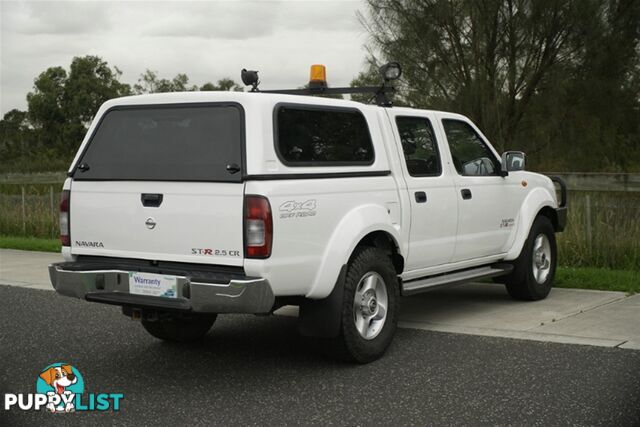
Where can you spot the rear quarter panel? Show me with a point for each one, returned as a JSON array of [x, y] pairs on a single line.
[[316, 225]]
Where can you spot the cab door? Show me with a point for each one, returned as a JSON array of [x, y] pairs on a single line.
[[430, 188], [488, 203]]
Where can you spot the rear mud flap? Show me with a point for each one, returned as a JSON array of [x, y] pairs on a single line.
[[323, 318]]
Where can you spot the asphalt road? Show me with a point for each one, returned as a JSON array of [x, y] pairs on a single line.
[[257, 370]]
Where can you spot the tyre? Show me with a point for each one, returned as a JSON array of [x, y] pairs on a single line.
[[535, 268], [180, 329], [370, 305]]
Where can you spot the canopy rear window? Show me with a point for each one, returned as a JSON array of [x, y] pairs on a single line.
[[166, 143]]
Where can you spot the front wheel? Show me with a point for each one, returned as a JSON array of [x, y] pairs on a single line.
[[369, 308], [535, 268], [180, 329]]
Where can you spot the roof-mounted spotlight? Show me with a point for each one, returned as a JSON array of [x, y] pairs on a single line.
[[391, 71], [250, 78]]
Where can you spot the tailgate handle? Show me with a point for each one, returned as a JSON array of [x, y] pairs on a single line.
[[151, 200]]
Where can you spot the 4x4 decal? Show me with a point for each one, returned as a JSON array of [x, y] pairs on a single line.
[[295, 209]]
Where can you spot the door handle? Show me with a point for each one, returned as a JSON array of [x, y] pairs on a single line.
[[421, 197], [151, 200], [466, 193]]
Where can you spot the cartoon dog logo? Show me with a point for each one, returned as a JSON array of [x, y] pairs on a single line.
[[59, 378]]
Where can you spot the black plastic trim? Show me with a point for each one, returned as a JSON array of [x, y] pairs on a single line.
[[322, 318], [563, 189], [151, 200], [561, 211], [561, 217], [321, 175], [155, 180], [139, 301]]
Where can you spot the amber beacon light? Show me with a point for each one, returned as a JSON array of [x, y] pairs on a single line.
[[318, 76]]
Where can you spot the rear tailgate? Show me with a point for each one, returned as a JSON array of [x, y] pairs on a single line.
[[154, 183], [196, 222]]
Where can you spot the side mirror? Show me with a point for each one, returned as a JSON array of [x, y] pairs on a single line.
[[512, 161]]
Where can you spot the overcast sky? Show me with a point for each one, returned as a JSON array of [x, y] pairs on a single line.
[[206, 40]]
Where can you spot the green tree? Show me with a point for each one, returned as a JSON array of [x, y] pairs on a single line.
[[549, 76], [45, 105], [62, 104], [483, 58], [149, 82], [586, 115], [91, 82], [15, 134], [225, 84], [369, 77]]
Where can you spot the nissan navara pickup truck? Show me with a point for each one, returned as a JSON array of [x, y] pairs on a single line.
[[182, 206]]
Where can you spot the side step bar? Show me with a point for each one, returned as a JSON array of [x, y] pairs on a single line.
[[457, 277]]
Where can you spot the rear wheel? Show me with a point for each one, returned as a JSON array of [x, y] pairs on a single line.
[[535, 269], [180, 329], [369, 308]]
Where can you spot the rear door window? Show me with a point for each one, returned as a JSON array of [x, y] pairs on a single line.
[[419, 146], [166, 143], [317, 136]]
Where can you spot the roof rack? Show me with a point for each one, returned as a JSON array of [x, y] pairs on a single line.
[[318, 84]]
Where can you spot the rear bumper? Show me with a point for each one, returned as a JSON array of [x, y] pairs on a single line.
[[111, 286]]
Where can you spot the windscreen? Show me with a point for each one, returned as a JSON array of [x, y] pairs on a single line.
[[168, 143]]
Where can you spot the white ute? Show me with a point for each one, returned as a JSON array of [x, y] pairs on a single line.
[[182, 206]]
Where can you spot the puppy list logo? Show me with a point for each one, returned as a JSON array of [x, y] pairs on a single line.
[[60, 383], [60, 389]]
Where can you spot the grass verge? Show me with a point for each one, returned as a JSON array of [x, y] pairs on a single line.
[[601, 279], [30, 244]]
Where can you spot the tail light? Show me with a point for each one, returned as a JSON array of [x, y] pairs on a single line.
[[65, 237], [258, 227]]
